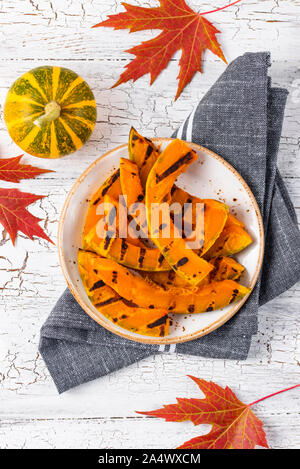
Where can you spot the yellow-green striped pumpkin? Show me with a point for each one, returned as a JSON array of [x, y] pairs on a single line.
[[50, 112]]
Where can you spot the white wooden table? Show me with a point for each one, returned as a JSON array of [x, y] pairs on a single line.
[[101, 414]]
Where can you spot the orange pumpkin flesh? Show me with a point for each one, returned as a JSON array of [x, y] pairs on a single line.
[[133, 300], [232, 220], [149, 295], [112, 187], [173, 161], [115, 205], [151, 322], [130, 182], [233, 239], [126, 253], [143, 152], [215, 216], [225, 268], [134, 192]]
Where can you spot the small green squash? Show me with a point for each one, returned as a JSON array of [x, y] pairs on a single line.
[[50, 112]]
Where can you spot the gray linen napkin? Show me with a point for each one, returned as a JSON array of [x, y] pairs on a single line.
[[240, 118]]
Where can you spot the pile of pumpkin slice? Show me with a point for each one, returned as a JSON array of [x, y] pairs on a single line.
[[136, 283]]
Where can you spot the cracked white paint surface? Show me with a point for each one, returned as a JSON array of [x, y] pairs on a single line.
[[101, 414]]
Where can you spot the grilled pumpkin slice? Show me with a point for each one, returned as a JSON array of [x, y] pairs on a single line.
[[133, 190], [151, 322], [210, 297], [124, 252], [117, 221], [215, 216], [233, 239], [112, 187], [225, 268], [143, 152], [173, 161], [149, 295], [216, 213], [232, 220], [130, 181]]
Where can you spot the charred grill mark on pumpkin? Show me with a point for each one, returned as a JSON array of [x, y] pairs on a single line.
[[144, 225], [122, 200], [234, 295], [134, 137], [177, 221], [171, 275], [96, 285], [173, 189], [111, 181], [96, 201], [107, 302], [129, 303], [182, 262], [140, 197], [191, 308], [142, 256], [210, 308], [148, 153], [114, 276], [86, 250], [213, 273], [158, 322], [112, 216], [124, 248], [160, 260], [175, 166], [107, 239]]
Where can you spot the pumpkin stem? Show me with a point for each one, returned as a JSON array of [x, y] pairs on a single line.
[[52, 111]]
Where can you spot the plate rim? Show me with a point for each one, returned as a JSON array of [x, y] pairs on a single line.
[[165, 340]]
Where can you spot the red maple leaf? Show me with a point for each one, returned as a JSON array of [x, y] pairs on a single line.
[[182, 29], [15, 217], [12, 170], [234, 425]]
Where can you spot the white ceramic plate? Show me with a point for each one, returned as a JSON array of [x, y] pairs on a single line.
[[209, 177]]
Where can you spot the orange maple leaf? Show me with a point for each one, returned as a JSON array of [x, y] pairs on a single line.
[[182, 29], [234, 425], [15, 217]]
